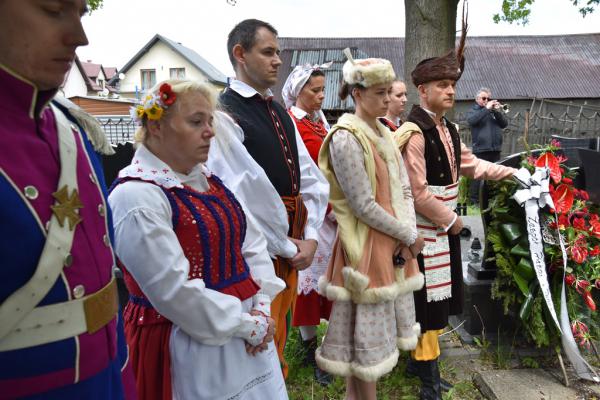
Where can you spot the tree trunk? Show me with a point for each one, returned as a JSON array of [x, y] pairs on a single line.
[[430, 32]]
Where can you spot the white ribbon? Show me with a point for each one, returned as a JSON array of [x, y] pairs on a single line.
[[535, 195]]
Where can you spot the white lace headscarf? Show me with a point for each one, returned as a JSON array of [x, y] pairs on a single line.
[[295, 82]]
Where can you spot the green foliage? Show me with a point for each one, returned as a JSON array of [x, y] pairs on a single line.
[[394, 386], [95, 4], [529, 362], [518, 11]]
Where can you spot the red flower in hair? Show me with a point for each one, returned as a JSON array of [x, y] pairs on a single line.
[[167, 96]]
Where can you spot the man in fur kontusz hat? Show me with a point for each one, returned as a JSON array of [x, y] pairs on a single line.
[[435, 157]]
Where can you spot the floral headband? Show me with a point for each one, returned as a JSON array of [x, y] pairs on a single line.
[[154, 105]]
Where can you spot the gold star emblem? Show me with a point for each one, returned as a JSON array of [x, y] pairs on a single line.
[[66, 207]]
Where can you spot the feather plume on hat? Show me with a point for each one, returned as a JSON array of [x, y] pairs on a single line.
[[449, 66]]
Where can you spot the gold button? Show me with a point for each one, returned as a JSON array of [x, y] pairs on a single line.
[[442, 175], [31, 192], [439, 158], [78, 291], [68, 260], [106, 240], [101, 210]]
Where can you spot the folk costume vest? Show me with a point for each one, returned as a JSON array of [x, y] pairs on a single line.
[[269, 137], [372, 279]]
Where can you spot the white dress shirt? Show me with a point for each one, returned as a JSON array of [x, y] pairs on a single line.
[[246, 179]]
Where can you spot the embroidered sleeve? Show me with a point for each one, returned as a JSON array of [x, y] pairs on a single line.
[[348, 164]]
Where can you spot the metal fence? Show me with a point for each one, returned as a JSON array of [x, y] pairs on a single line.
[[118, 129], [540, 128]]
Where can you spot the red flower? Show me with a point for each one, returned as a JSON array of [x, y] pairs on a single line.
[[595, 227], [587, 296], [579, 254], [595, 251], [555, 143], [562, 198], [570, 279], [167, 96], [550, 161], [581, 333], [563, 221], [593, 217], [584, 195], [579, 223], [566, 180]]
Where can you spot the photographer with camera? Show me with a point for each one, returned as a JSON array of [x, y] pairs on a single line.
[[486, 120]]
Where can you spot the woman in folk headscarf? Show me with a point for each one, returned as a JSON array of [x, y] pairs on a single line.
[[373, 312], [303, 94]]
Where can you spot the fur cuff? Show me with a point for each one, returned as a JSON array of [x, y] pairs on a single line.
[[407, 343], [412, 284], [374, 372], [339, 368], [332, 292], [354, 281]]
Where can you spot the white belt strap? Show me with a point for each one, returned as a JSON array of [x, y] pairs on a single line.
[[58, 242]]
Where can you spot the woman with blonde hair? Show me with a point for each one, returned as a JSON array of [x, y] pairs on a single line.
[[373, 313], [200, 279]]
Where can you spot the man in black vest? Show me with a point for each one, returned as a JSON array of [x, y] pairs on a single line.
[[271, 139], [435, 157]]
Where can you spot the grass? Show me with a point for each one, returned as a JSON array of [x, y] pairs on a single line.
[[394, 386]]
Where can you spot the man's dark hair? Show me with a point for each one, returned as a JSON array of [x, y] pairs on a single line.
[[244, 34]]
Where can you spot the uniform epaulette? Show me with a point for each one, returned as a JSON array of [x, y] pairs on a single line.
[[88, 124]]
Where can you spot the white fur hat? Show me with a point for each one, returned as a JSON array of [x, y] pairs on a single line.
[[367, 72]]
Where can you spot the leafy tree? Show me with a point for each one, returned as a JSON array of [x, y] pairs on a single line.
[[94, 4], [519, 10]]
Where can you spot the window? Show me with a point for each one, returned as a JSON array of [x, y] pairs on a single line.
[[101, 83], [177, 73], [148, 78]]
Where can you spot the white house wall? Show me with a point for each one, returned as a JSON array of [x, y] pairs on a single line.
[[74, 85], [160, 58]]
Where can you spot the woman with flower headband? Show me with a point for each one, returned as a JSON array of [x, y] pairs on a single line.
[[373, 313], [199, 276], [303, 93]]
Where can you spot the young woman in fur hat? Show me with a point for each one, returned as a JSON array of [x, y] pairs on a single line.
[[373, 312]]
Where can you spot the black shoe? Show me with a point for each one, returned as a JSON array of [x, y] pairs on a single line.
[[430, 380], [445, 385], [322, 377]]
